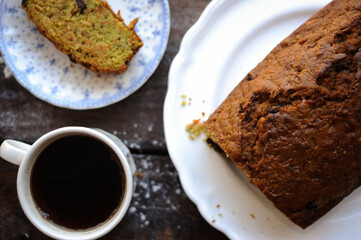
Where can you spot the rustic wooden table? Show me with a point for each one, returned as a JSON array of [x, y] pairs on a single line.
[[159, 209]]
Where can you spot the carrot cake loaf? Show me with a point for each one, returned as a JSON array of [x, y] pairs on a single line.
[[293, 124]]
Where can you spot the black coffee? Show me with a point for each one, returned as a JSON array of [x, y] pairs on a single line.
[[77, 182]]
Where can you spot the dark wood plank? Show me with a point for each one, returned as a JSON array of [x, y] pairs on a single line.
[[137, 119]]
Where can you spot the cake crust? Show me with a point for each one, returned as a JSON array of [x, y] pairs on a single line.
[[293, 124]]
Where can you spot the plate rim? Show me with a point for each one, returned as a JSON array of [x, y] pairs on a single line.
[[92, 103], [196, 27]]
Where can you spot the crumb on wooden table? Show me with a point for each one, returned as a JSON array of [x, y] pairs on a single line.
[[139, 174]]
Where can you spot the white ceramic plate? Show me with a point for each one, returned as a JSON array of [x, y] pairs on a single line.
[[48, 74], [228, 40]]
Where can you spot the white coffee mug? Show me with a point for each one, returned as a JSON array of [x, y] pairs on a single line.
[[25, 156]]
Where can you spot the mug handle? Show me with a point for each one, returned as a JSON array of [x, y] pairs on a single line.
[[14, 151]]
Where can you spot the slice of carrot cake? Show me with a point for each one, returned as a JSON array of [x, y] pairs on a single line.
[[88, 31]]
